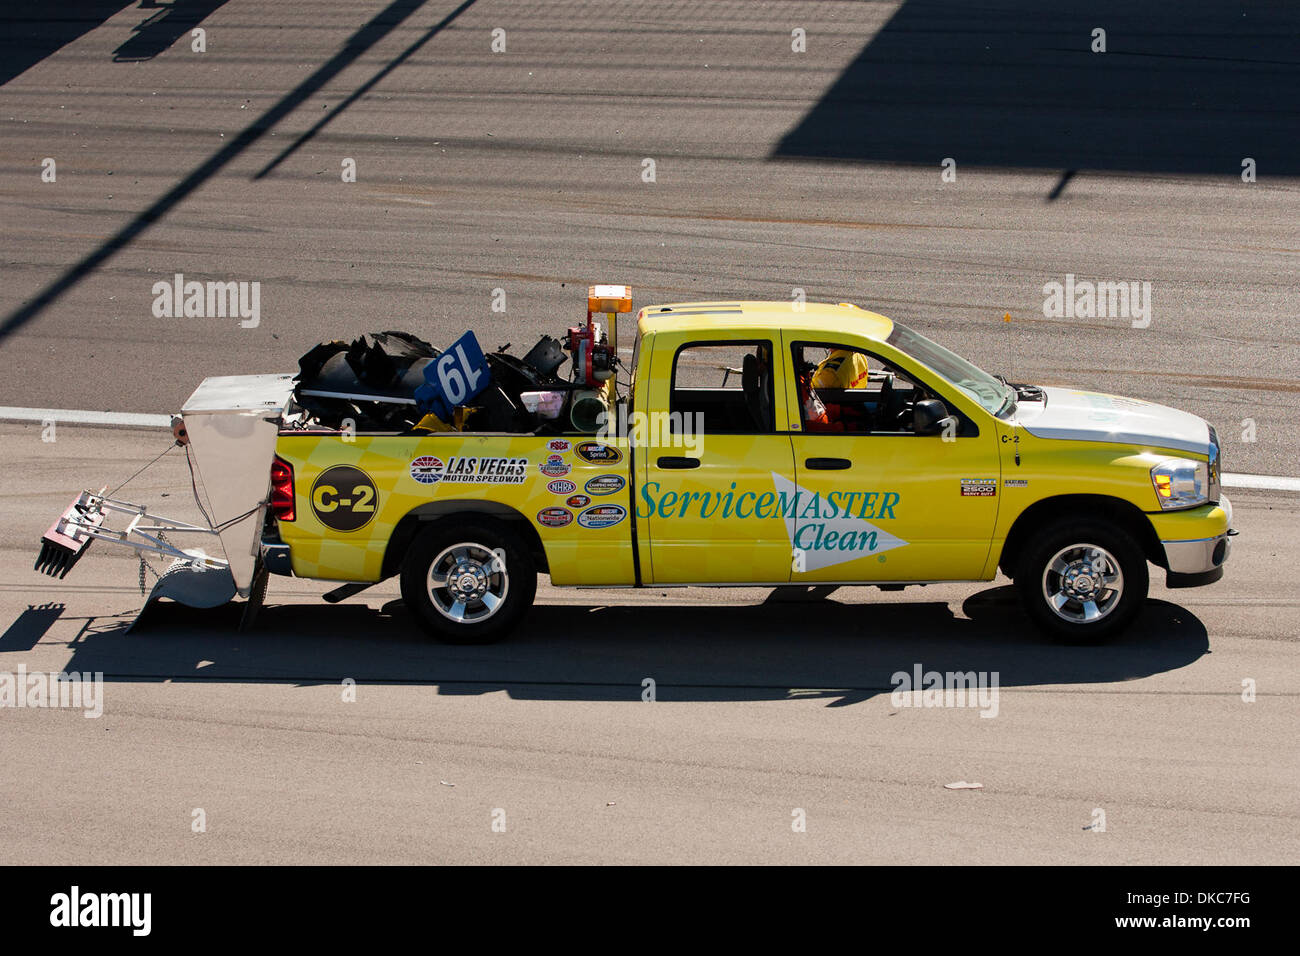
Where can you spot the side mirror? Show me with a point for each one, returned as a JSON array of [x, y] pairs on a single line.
[[930, 417]]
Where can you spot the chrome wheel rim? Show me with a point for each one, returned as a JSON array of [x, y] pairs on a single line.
[[1083, 583], [468, 582]]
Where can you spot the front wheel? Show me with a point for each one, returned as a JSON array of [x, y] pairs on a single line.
[[1082, 582], [468, 582]]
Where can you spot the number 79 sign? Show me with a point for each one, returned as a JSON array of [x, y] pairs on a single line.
[[453, 378]]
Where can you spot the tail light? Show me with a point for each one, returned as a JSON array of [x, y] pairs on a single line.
[[282, 489]]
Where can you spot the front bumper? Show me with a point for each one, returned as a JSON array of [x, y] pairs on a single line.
[[1192, 562]]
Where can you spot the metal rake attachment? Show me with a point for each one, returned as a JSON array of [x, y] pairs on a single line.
[[69, 537], [66, 541]]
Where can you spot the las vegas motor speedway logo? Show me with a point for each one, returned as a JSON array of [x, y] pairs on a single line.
[[428, 470]]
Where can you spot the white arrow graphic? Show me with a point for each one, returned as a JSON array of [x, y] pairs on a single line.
[[843, 525]]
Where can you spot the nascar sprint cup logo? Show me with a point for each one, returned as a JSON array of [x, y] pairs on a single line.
[[428, 470]]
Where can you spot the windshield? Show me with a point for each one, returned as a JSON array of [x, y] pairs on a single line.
[[994, 396]]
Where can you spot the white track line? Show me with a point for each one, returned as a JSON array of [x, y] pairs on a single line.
[[1268, 482], [72, 416]]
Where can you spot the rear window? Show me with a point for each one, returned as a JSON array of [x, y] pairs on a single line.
[[728, 384]]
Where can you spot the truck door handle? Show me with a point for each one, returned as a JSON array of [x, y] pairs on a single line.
[[669, 461], [828, 464]]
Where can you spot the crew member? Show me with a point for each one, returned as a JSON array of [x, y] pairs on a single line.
[[841, 369]]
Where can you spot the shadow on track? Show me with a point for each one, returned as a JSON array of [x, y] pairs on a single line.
[[382, 24], [164, 27], [1193, 86], [844, 653], [29, 627], [30, 32]]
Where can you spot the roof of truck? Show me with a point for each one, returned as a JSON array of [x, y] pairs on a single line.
[[794, 316]]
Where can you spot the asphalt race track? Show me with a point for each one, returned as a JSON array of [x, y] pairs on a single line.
[[525, 171]]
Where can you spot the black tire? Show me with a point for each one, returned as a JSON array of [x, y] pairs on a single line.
[[1090, 551], [470, 545]]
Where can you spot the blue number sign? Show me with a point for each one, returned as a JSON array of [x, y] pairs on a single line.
[[453, 378]]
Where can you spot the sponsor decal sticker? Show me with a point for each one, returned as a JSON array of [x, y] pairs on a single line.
[[1017, 482], [979, 487], [604, 485], [578, 501], [602, 516], [562, 486], [824, 528], [459, 469], [555, 467], [559, 445], [598, 454], [344, 498], [554, 517], [426, 469]]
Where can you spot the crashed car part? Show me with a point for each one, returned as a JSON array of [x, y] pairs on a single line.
[[370, 381], [370, 384], [546, 356]]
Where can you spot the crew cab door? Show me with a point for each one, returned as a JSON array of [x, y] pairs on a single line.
[[876, 501], [712, 455]]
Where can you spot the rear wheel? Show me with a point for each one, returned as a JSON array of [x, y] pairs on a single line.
[[468, 582], [1082, 582]]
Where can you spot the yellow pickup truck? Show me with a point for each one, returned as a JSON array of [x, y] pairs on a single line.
[[763, 444]]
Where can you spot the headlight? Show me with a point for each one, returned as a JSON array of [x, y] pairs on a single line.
[[1216, 466], [1181, 483]]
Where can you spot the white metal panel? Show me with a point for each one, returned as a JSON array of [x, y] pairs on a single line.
[[237, 393], [232, 423]]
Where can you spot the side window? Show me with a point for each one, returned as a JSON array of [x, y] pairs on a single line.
[[847, 390], [727, 385]]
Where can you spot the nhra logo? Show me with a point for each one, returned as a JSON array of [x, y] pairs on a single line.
[[426, 469], [561, 486]]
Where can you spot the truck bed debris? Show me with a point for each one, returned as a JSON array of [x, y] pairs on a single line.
[[373, 383]]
